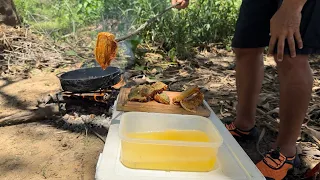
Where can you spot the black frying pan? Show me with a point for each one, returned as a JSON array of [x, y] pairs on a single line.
[[90, 79]]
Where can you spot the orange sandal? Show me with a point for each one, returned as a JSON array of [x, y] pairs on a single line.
[[241, 135], [275, 166]]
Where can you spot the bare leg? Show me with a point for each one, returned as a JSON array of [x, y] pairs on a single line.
[[295, 93], [249, 76]]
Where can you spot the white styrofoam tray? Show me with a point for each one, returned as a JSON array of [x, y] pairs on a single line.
[[233, 161]]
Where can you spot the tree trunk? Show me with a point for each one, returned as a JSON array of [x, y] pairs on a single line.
[[8, 13]]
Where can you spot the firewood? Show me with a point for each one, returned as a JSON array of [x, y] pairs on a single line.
[[39, 114]]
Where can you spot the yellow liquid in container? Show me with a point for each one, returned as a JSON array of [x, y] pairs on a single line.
[[169, 157]]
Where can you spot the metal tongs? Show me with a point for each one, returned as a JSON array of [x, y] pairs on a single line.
[[143, 26]]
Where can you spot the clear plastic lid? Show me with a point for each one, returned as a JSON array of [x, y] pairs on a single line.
[[136, 122]]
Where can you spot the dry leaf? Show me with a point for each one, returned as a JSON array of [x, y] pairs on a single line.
[[312, 131], [263, 97], [266, 106], [140, 79], [120, 84], [308, 149]]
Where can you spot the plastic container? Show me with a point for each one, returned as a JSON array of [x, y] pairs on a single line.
[[169, 142]]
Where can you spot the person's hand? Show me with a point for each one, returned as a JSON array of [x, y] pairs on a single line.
[[285, 24], [184, 3]]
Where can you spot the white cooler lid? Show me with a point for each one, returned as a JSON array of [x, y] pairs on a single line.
[[234, 163]]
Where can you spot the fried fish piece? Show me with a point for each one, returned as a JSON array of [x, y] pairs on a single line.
[[150, 90], [141, 93], [159, 87], [135, 95], [106, 49], [144, 93], [147, 91], [162, 98], [186, 93], [192, 103]]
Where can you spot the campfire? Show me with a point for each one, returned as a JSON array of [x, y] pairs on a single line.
[[87, 96], [79, 110], [88, 108]]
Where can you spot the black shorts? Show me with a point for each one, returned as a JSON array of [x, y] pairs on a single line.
[[253, 25]]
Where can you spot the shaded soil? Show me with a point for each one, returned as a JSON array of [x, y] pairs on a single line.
[[42, 150]]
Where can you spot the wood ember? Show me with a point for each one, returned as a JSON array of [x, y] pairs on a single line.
[[81, 121], [82, 112]]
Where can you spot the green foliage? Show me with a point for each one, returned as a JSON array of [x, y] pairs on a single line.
[[134, 42], [172, 54], [89, 10], [204, 21], [59, 17]]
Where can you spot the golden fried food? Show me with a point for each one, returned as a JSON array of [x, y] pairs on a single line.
[[188, 92], [141, 93], [144, 93], [106, 49], [159, 87], [135, 95], [162, 98], [147, 91], [192, 102]]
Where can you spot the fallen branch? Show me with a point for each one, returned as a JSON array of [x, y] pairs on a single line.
[[313, 133], [273, 121], [39, 114], [259, 140], [97, 134], [269, 126]]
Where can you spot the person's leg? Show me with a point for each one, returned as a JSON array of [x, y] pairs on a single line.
[[296, 80], [295, 93], [249, 76], [250, 39]]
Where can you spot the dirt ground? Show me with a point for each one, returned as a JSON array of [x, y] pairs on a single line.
[[41, 150]]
